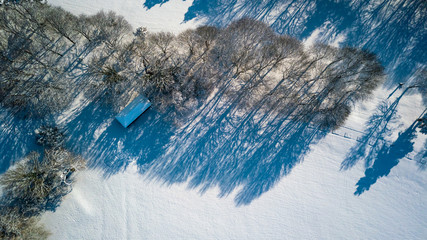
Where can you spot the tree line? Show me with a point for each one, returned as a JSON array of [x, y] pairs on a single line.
[[242, 91]]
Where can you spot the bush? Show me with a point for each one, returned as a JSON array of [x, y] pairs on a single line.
[[13, 226], [50, 137], [39, 183]]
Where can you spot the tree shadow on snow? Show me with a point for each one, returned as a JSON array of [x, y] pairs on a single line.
[[379, 153], [17, 138], [233, 153], [107, 145], [394, 30], [387, 158], [378, 128], [248, 153]]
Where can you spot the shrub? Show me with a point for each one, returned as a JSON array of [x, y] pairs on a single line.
[[13, 226]]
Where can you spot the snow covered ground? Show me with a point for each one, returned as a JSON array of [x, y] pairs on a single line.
[[315, 201], [168, 17]]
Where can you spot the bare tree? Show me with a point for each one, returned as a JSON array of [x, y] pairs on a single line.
[[36, 182], [14, 226], [102, 27], [62, 22]]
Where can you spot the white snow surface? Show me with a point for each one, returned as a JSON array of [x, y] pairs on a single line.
[[167, 17], [326, 34], [315, 201]]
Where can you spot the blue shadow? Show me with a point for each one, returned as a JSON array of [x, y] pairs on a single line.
[[394, 30], [100, 138], [388, 157], [17, 138]]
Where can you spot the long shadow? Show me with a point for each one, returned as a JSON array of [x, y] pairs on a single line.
[[107, 145], [374, 137], [387, 158], [231, 152], [17, 137], [394, 30], [249, 153], [380, 154]]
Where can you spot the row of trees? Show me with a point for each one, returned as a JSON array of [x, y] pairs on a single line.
[[273, 98], [253, 95], [48, 55], [43, 54]]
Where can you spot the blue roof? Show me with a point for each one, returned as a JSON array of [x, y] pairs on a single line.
[[133, 110]]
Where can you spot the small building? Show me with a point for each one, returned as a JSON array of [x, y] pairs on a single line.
[[133, 110]]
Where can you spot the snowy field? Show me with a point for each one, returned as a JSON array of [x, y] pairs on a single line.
[[168, 17], [315, 201]]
